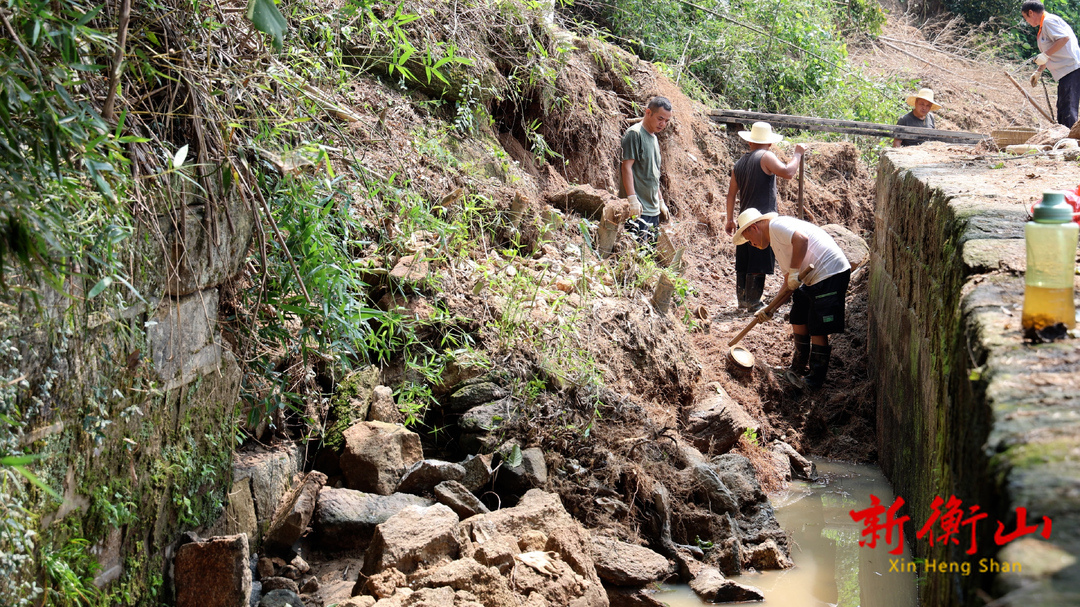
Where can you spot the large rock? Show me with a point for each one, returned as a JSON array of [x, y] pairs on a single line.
[[383, 408], [472, 395], [346, 519], [800, 466], [544, 512], [766, 555], [295, 515], [377, 454], [213, 573], [422, 477], [459, 499], [716, 423], [624, 564], [352, 400], [270, 472], [485, 418], [529, 473], [738, 475], [281, 598], [583, 199], [477, 471], [719, 498], [414, 537], [712, 587], [468, 575], [854, 247]]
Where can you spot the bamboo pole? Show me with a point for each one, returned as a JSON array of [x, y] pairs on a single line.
[[1028, 97]]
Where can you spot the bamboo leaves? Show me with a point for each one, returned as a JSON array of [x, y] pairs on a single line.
[[266, 18]]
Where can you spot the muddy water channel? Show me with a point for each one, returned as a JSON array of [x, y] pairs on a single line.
[[830, 567]]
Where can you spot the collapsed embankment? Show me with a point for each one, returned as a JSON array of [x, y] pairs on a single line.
[[966, 408]]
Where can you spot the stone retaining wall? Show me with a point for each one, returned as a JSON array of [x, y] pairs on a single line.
[[965, 408]]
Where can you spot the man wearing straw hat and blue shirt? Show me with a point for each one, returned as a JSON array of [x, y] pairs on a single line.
[[1058, 52], [818, 299], [753, 178], [922, 103]]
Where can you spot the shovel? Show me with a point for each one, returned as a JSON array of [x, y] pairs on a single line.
[[769, 309]]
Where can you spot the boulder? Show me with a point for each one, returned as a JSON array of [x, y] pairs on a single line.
[[498, 552], [239, 516], [485, 418], [350, 403], [292, 519], [410, 268], [383, 408], [472, 395], [582, 199], [766, 555], [383, 584], [358, 601], [213, 573], [624, 564], [270, 471], [459, 499], [281, 598], [738, 476], [468, 575], [271, 584], [716, 423], [800, 466], [719, 498], [377, 454], [346, 519], [530, 473], [416, 536], [422, 477], [711, 586], [544, 512], [854, 247], [477, 471]]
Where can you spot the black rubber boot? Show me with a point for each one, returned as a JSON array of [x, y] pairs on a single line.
[[740, 289], [801, 354], [819, 365], [755, 287]]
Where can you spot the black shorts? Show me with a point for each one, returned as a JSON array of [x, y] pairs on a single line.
[[821, 306]]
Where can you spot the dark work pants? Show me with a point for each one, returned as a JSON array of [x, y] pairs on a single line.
[[1068, 97]]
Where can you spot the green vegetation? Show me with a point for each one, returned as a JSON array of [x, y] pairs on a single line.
[[783, 57]]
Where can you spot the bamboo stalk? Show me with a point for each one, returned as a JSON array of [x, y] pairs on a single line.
[[1028, 97]]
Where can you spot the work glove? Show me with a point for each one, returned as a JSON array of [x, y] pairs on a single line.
[[763, 316], [1041, 59], [664, 213], [635, 204], [792, 279], [1035, 77]]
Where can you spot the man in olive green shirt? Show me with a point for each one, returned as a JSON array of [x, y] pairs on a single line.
[[640, 169]]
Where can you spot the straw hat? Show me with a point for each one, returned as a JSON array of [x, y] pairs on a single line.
[[926, 94], [748, 218], [760, 132]]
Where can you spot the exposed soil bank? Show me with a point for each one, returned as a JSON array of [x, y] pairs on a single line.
[[966, 408]]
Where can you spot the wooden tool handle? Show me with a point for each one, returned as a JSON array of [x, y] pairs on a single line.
[[769, 309]]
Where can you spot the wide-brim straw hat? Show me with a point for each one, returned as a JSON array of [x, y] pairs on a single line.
[[746, 219], [761, 132], [925, 94]]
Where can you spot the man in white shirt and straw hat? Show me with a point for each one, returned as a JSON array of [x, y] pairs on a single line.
[[818, 298], [753, 178], [922, 103]]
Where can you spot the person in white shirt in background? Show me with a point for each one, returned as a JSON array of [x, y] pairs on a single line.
[[1058, 52]]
